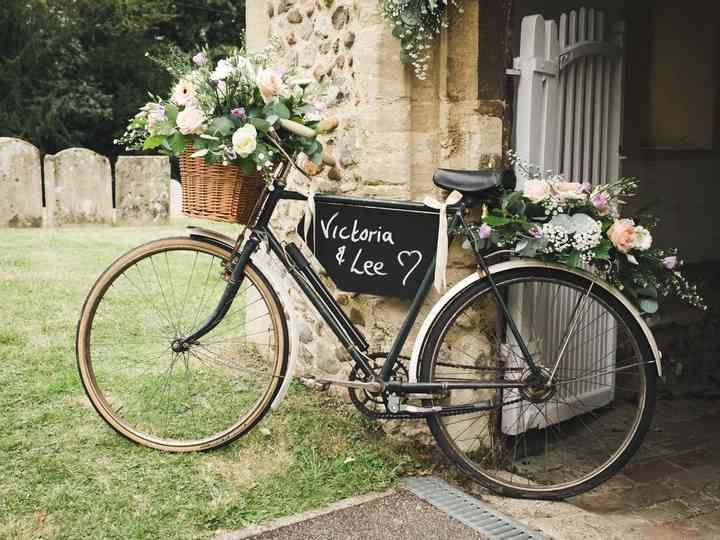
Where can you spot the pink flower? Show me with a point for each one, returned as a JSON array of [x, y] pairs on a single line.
[[670, 262], [536, 190], [200, 59], [536, 232], [601, 202], [238, 113], [190, 121], [269, 82], [622, 234], [484, 231]]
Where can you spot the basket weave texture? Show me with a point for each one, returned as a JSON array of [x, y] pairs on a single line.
[[217, 192]]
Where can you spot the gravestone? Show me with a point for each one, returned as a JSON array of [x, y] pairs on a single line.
[[78, 187], [142, 187], [20, 184]]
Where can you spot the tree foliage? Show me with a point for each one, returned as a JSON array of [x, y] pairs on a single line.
[[73, 71]]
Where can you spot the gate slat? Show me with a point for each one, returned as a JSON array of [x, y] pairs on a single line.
[[569, 101], [562, 91], [589, 103], [597, 177], [579, 102]]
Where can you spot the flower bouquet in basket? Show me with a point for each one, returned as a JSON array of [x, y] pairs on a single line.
[[580, 225], [231, 122]]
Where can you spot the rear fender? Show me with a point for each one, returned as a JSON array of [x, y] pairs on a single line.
[[514, 264]]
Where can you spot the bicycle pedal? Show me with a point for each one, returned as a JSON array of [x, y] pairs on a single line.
[[314, 384]]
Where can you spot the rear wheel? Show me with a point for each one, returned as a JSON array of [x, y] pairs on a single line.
[[569, 428], [180, 399]]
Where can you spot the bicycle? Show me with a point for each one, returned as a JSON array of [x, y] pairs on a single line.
[[505, 393]]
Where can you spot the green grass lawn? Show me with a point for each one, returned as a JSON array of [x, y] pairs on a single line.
[[65, 474]]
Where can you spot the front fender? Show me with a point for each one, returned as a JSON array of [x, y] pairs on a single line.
[[224, 241], [450, 295]]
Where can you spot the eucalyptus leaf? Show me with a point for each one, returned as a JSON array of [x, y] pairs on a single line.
[[223, 126], [260, 124]]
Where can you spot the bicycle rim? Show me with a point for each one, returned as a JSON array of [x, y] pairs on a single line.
[[193, 400], [542, 441]]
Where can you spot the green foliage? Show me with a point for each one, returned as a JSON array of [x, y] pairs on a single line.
[[73, 71]]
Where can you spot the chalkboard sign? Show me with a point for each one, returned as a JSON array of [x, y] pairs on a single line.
[[374, 246]]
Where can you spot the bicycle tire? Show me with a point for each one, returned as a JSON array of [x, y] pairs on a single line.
[[197, 400], [510, 442]]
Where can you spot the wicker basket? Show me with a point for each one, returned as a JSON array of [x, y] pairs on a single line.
[[217, 192]]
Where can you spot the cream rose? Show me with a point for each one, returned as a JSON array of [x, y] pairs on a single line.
[[190, 121], [643, 238], [566, 191], [245, 140], [622, 234], [269, 83], [536, 190]]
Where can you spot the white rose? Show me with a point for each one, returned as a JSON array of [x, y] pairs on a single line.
[[643, 238], [245, 140], [536, 190], [223, 70], [269, 83], [190, 121]]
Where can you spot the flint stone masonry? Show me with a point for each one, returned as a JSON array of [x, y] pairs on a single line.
[[21, 202], [394, 131], [78, 187], [142, 186]]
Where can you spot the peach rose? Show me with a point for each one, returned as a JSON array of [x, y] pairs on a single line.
[[567, 191], [269, 83], [536, 190], [622, 234]]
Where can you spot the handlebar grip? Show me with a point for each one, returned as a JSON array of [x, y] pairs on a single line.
[[297, 129]]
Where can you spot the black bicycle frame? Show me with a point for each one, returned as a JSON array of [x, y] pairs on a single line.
[[331, 312]]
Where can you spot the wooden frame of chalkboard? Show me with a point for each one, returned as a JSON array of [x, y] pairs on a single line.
[[374, 246]]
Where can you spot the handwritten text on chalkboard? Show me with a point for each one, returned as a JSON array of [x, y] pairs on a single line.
[[376, 247]]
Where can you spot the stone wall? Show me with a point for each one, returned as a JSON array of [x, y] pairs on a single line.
[[394, 132]]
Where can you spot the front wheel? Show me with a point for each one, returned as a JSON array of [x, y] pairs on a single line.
[[566, 430], [139, 380]]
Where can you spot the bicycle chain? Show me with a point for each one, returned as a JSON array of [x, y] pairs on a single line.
[[377, 415]]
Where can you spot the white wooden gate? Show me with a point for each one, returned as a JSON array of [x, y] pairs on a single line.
[[568, 115]]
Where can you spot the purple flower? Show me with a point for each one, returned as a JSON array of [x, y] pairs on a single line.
[[670, 262], [238, 113], [231, 153], [200, 59], [600, 201], [536, 231], [484, 231], [587, 187]]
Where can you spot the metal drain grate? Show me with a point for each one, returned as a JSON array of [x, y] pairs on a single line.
[[468, 510]]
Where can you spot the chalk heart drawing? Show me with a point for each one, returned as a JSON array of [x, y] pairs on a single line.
[[408, 257]]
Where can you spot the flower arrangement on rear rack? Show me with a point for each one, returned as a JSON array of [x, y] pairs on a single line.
[[227, 112], [579, 224]]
